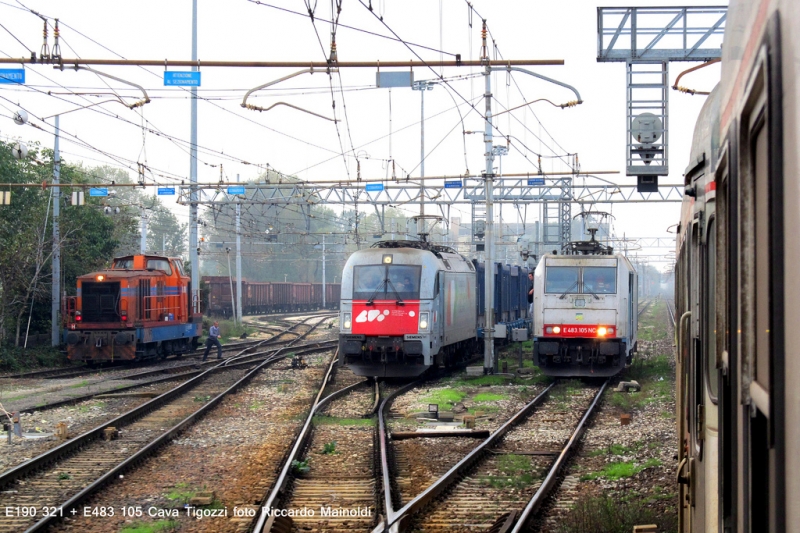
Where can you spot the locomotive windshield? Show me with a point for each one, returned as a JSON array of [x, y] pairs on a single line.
[[577, 280], [386, 282], [562, 279], [600, 280], [125, 263]]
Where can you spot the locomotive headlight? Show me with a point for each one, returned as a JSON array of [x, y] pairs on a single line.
[[556, 330], [610, 331], [601, 331], [423, 321], [100, 277], [347, 321], [548, 330]]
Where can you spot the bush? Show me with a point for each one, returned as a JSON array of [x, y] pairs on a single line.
[[606, 514], [18, 359]]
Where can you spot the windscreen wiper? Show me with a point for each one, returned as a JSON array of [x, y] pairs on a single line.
[[596, 297], [382, 285], [566, 291], [399, 300]]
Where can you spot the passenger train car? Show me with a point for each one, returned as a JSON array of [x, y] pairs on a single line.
[[584, 314], [139, 308], [408, 305], [738, 373]]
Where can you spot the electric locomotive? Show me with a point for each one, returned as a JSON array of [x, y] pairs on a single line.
[[585, 312], [141, 307], [406, 306]]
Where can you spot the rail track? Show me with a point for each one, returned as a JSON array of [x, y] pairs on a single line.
[[61, 478], [341, 469], [473, 495], [184, 371], [291, 328]]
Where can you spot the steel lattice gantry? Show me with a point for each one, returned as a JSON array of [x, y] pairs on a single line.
[[647, 39], [401, 193]]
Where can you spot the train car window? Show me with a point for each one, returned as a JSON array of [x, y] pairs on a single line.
[[383, 281], [762, 244], [562, 279], [179, 266], [599, 280], [712, 376], [159, 264], [123, 264]]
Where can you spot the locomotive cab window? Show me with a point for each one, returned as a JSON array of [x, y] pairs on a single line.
[[159, 264], [599, 280], [562, 279], [124, 264], [386, 282]]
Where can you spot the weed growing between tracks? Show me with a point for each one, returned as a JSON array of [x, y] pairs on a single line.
[[515, 471], [625, 474], [606, 514], [162, 526]]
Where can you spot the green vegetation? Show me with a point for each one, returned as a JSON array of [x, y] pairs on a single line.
[[651, 323], [19, 359], [87, 408], [515, 471], [228, 329], [489, 397], [162, 526], [445, 398], [618, 449], [480, 381], [181, 493], [64, 475], [655, 375], [79, 385], [202, 398], [329, 448], [623, 469], [256, 405], [607, 514], [300, 467], [343, 421]]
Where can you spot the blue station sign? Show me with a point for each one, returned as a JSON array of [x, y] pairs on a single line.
[[236, 189], [12, 75], [98, 191], [374, 187], [535, 181], [182, 78], [166, 191], [455, 184]]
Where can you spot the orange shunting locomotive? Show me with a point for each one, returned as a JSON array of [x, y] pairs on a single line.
[[139, 308]]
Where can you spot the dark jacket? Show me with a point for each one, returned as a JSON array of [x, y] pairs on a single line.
[[530, 295]]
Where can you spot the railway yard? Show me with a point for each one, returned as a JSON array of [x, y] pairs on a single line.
[[205, 446]]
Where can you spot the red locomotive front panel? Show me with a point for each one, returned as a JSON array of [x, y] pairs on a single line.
[[385, 318]]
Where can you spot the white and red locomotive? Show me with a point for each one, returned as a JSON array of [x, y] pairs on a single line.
[[584, 314]]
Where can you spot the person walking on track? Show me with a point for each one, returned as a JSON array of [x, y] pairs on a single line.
[[212, 340]]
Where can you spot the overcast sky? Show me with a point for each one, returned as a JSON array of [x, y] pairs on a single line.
[[311, 148]]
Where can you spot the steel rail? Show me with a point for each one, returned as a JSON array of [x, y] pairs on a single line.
[[549, 482], [265, 519], [394, 520], [150, 447], [311, 347]]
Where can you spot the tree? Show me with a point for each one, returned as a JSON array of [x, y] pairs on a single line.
[[165, 233]]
